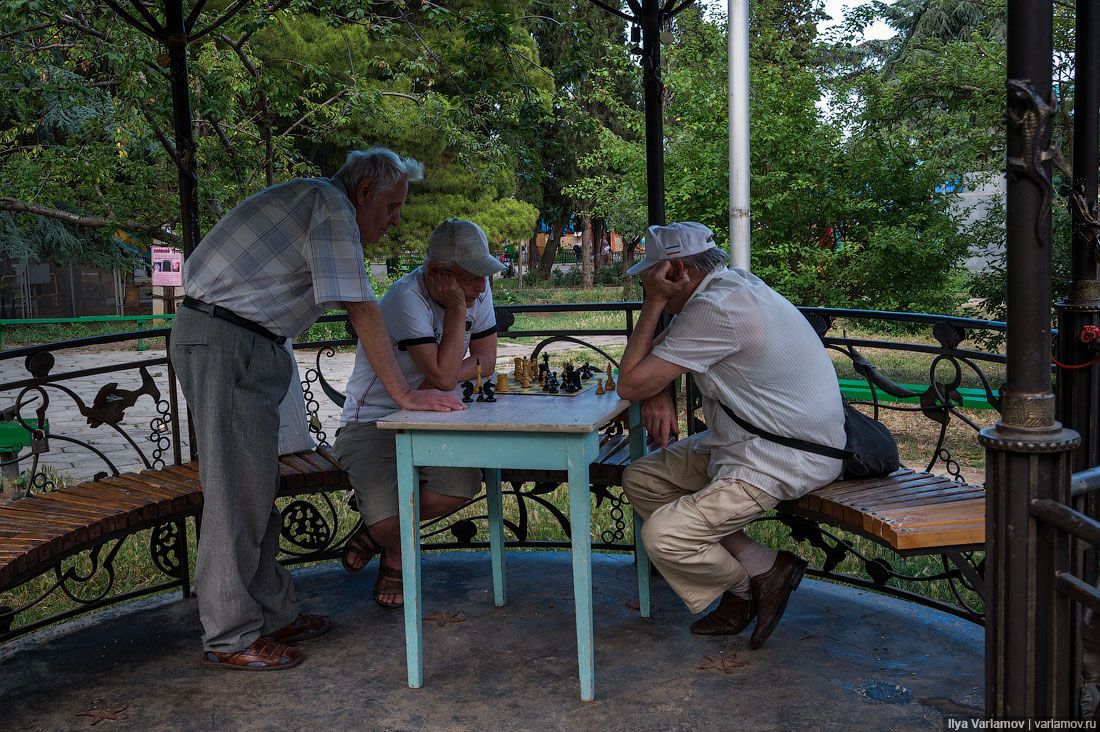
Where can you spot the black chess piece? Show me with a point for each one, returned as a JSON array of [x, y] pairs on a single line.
[[553, 386], [489, 389], [586, 370], [467, 391]]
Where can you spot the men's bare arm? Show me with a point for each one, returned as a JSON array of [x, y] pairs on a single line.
[[366, 320], [641, 374], [441, 363], [483, 350]]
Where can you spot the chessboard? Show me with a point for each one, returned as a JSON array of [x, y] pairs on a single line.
[[535, 389], [567, 379]]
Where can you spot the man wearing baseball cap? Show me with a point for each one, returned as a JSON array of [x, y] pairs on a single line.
[[749, 349], [440, 322]]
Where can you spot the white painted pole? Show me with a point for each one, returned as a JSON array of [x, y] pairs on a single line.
[[740, 223]]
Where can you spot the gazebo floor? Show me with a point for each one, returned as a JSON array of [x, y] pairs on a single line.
[[841, 659]]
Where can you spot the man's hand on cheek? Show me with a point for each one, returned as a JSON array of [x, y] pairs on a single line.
[[444, 289], [661, 283]]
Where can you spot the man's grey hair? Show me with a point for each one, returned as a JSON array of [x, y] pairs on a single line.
[[382, 166], [707, 261]]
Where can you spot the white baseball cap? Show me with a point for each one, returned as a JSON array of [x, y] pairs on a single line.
[[463, 243], [677, 240]]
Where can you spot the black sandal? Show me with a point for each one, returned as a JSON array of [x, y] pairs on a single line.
[[361, 546]]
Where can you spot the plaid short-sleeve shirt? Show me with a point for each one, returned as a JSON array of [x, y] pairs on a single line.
[[283, 256]]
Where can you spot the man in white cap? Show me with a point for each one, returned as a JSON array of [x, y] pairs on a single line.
[[749, 349], [441, 325]]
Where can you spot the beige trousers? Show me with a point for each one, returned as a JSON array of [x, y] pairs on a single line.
[[686, 515]]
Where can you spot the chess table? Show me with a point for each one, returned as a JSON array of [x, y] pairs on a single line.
[[562, 434]]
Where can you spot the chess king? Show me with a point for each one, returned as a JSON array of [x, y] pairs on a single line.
[[441, 325]]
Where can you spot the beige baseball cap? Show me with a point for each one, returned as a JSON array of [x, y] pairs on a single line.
[[463, 243]]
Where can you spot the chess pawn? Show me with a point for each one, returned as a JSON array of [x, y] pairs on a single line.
[[525, 380], [599, 387], [502, 384]]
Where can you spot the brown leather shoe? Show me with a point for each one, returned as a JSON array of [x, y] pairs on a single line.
[[303, 628], [732, 615], [262, 655], [771, 591]]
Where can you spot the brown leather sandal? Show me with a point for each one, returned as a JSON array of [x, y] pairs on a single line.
[[361, 547], [304, 627], [263, 655], [388, 582]]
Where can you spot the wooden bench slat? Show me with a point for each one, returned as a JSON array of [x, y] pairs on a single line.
[[163, 479], [136, 507], [191, 493], [310, 475], [920, 496], [896, 491], [824, 499], [944, 495], [166, 505], [111, 518], [329, 472]]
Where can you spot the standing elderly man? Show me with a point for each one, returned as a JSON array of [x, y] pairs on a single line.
[[441, 326], [747, 348], [263, 274]]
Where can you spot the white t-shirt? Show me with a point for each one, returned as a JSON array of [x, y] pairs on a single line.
[[412, 317], [752, 349]]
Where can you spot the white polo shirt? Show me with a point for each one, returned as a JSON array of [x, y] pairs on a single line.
[[412, 317], [749, 347]]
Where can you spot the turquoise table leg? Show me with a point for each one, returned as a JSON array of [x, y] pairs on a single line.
[[580, 520], [637, 450], [496, 533], [408, 500], [644, 572]]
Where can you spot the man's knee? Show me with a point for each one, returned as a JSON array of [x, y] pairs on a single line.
[[661, 540]]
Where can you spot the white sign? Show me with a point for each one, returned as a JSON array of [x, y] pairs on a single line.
[[167, 267]]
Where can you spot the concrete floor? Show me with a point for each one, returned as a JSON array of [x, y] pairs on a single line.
[[841, 659]]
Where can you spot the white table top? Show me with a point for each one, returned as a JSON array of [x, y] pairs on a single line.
[[586, 412]]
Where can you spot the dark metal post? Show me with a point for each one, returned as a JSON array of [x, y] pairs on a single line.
[[1078, 390], [176, 41], [653, 94], [1027, 451]]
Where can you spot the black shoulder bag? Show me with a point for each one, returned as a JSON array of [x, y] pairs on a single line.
[[870, 451]]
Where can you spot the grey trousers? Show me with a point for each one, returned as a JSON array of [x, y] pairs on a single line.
[[233, 380]]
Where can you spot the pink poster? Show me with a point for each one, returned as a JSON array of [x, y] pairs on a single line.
[[167, 267]]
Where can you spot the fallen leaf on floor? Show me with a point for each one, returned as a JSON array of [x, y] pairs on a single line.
[[632, 605], [103, 714], [725, 665], [443, 618]]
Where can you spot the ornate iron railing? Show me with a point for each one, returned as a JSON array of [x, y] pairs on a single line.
[[81, 423]]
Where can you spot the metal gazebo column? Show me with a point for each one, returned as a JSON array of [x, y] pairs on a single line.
[[1078, 389], [650, 15], [1028, 453], [653, 94], [176, 39]]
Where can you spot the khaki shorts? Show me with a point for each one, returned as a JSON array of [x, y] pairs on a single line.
[[369, 456]]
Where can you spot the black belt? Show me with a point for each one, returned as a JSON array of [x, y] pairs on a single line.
[[221, 313]]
